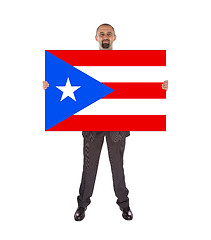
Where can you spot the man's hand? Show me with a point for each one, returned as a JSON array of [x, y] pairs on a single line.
[[45, 84], [165, 85]]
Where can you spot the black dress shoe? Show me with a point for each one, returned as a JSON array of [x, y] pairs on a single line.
[[127, 213], [80, 214]]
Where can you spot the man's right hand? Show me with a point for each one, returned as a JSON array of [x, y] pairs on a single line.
[[45, 84]]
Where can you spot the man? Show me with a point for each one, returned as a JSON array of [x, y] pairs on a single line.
[[93, 142]]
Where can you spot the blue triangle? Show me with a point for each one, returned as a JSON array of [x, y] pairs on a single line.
[[56, 73]]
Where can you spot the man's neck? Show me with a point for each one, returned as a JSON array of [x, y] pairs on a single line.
[[106, 49]]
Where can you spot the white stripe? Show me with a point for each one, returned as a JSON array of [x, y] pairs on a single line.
[[126, 74], [126, 107]]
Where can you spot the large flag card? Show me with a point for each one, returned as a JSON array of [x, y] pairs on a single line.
[[77, 101]]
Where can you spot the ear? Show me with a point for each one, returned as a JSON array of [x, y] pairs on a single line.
[[96, 38], [114, 37]]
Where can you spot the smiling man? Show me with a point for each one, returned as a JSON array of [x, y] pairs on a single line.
[[105, 35], [93, 142]]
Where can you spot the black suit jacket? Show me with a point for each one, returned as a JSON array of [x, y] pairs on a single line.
[[115, 135]]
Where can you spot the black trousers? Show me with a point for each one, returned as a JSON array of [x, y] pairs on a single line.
[[92, 150]]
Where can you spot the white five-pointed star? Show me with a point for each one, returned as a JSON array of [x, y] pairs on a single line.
[[68, 90]]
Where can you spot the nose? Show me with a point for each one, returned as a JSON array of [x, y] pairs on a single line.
[[106, 36]]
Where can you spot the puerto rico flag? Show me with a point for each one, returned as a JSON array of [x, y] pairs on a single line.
[[94, 90]]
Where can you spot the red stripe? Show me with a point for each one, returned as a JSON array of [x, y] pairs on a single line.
[[112, 123], [112, 58], [136, 90]]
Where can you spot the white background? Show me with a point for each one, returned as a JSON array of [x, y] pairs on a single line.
[[167, 173]]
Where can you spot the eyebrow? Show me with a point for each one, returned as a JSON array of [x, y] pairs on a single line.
[[103, 32]]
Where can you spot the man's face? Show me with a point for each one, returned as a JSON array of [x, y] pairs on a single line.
[[105, 36]]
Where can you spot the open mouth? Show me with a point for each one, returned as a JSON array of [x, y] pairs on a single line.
[[105, 43]]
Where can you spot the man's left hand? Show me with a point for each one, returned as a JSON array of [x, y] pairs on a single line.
[[165, 85]]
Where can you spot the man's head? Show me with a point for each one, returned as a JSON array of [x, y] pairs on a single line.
[[105, 35]]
